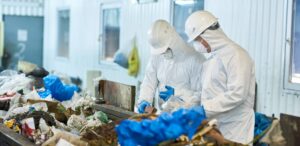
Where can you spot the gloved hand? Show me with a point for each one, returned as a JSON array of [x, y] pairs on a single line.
[[165, 95], [142, 106]]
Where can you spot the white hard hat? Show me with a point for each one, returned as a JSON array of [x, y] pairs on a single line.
[[160, 36], [198, 22]]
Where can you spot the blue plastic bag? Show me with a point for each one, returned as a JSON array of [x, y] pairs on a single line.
[[165, 127], [262, 122], [59, 91], [44, 94], [121, 59]]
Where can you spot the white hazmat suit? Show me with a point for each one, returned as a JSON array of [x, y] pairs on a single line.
[[229, 87], [228, 79], [181, 71]]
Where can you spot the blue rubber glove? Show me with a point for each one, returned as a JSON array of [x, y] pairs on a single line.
[[142, 106], [165, 95]]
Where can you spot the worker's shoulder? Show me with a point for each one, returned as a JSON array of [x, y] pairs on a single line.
[[235, 51], [240, 55], [196, 57], [235, 54]]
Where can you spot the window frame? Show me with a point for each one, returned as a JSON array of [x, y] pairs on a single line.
[[172, 3], [101, 51], [57, 33], [289, 46]]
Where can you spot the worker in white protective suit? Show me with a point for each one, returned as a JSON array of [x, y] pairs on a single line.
[[228, 78], [172, 63]]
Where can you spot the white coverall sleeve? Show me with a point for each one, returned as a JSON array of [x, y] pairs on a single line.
[[192, 96], [239, 75], [150, 82]]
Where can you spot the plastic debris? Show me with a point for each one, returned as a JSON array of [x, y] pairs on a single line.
[[44, 94], [26, 67], [133, 60], [76, 122], [38, 72], [121, 59], [62, 142], [100, 135], [70, 138], [165, 127], [34, 113], [12, 81], [70, 103], [33, 95], [12, 124], [16, 111], [59, 91], [43, 126], [4, 104], [28, 127], [41, 106], [84, 103], [16, 100], [262, 122], [99, 115]]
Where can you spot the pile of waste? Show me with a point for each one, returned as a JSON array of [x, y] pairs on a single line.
[[55, 113]]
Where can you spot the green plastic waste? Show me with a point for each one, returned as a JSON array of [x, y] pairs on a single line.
[[99, 115]]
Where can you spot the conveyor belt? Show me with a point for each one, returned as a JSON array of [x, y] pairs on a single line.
[[9, 138], [114, 113]]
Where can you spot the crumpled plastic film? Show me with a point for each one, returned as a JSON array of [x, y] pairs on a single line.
[[76, 122], [262, 122], [166, 127], [173, 104], [12, 81], [71, 138]]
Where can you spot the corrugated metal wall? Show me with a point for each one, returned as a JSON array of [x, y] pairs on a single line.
[[257, 25], [136, 20], [260, 27], [84, 32], [1, 3]]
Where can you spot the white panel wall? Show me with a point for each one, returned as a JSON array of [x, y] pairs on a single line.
[[260, 27], [84, 31]]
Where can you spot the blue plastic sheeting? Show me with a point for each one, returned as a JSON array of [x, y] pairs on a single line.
[[59, 91], [165, 127]]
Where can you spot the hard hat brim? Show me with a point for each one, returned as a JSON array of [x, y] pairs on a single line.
[[193, 38], [158, 51]]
